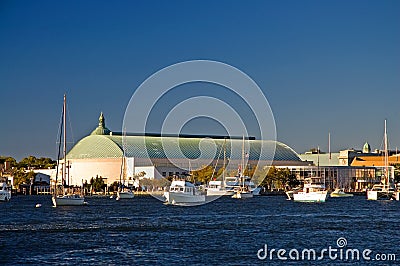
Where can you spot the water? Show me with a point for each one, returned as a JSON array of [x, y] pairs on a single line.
[[143, 231]]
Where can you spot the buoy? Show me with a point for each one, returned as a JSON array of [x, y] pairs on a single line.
[[38, 205]]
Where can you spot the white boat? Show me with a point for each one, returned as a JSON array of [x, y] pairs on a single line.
[[381, 192], [216, 188], [5, 192], [125, 194], [385, 190], [339, 193], [183, 192], [312, 192], [64, 199], [68, 200]]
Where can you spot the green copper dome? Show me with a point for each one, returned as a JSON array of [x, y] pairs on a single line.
[[102, 143]]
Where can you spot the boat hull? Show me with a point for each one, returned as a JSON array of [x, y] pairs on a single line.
[[181, 198], [219, 192], [379, 195], [125, 195], [340, 194], [68, 200], [319, 196]]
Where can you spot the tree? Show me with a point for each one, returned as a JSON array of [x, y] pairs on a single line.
[[279, 179], [97, 184], [21, 177], [203, 174]]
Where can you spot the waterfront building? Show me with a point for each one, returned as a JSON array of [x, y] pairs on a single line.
[[100, 154], [347, 177]]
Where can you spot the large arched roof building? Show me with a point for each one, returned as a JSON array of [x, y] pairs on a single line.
[[101, 154]]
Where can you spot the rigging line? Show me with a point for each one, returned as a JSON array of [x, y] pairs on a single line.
[[59, 146], [59, 128], [70, 126], [215, 166]]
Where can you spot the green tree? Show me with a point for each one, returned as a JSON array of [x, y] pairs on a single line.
[[203, 174], [97, 184], [21, 177]]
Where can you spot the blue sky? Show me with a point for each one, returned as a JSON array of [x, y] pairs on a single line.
[[323, 65]]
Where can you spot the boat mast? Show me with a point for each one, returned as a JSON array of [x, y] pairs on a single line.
[[122, 171], [386, 157], [242, 173], [65, 141], [223, 172]]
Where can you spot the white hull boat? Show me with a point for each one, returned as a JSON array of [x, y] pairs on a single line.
[[215, 188], [385, 190], [68, 200], [310, 196], [312, 191], [339, 193], [183, 192], [125, 195], [381, 192], [180, 198], [5, 193]]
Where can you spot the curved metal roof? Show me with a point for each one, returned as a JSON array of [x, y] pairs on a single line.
[[109, 146]]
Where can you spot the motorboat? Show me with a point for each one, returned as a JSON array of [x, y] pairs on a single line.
[[312, 191], [183, 192], [381, 192], [216, 188], [339, 193]]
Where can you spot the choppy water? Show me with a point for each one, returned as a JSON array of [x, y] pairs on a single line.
[[143, 231]]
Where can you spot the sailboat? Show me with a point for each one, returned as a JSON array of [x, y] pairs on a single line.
[[64, 199], [123, 192], [385, 190], [243, 191], [338, 192], [218, 187]]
